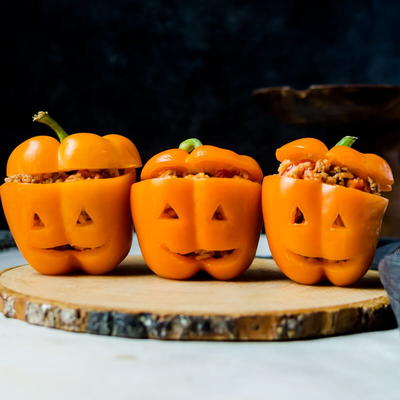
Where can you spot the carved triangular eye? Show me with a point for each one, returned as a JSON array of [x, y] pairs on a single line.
[[298, 217], [219, 214], [338, 223], [84, 219], [37, 222], [169, 213]]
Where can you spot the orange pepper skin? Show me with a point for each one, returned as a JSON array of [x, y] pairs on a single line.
[[45, 154], [106, 239], [318, 248], [164, 240], [318, 237], [205, 158], [302, 149]]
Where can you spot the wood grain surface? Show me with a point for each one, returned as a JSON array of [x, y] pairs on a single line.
[[132, 302]]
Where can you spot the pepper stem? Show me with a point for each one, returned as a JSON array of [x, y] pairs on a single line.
[[44, 118], [347, 141], [190, 144]]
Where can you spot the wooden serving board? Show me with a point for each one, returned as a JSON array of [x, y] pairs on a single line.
[[132, 302]]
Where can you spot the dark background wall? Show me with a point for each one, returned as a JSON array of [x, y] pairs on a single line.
[[159, 71]]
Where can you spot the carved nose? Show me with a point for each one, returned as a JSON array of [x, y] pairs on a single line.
[[298, 217], [338, 222], [37, 222], [219, 214], [169, 213]]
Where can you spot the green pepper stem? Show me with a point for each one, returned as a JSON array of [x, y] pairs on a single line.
[[190, 144], [44, 118], [347, 141]]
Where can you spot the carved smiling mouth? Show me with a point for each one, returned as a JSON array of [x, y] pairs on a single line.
[[69, 247], [201, 254], [320, 259]]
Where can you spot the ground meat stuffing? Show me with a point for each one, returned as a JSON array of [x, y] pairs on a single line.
[[170, 173], [67, 176], [324, 171], [206, 254]]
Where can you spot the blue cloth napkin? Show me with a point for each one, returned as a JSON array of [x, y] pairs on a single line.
[[6, 240], [387, 260]]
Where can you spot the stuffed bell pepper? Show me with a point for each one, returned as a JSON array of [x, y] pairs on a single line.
[[198, 208], [323, 210], [67, 201]]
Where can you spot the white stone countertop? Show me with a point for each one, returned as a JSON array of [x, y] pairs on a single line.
[[41, 363]]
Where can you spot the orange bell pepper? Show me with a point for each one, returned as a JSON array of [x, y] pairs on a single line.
[[64, 226], [201, 214], [320, 231]]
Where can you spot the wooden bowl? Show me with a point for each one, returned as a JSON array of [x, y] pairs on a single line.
[[332, 104]]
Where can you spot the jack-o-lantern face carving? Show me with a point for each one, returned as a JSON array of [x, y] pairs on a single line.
[[189, 220], [74, 213], [320, 231]]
